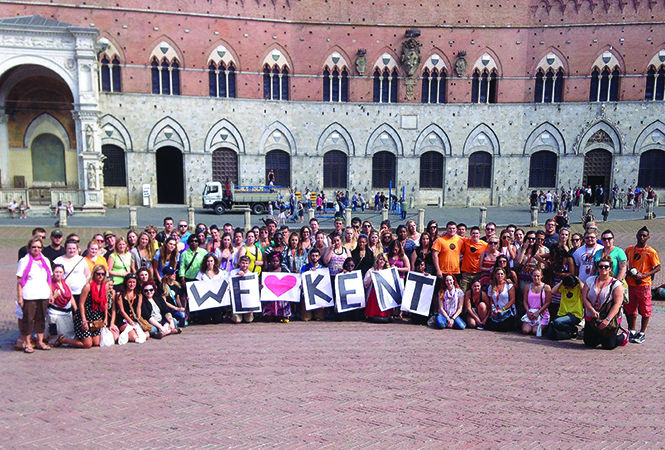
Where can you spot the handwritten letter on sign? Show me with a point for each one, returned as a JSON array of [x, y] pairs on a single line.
[[350, 291], [245, 294], [317, 289], [418, 292], [206, 294], [388, 287]]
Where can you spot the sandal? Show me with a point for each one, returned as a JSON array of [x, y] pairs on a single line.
[[27, 349], [44, 347], [58, 341], [177, 331]]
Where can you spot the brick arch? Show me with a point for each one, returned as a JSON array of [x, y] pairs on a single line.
[[212, 48], [539, 62], [116, 46], [377, 62], [266, 58], [479, 65], [343, 54], [600, 64]]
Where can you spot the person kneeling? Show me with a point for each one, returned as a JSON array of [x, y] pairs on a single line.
[[537, 299], [242, 270], [571, 309], [451, 301]]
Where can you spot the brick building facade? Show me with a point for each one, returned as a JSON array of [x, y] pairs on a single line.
[[458, 102]]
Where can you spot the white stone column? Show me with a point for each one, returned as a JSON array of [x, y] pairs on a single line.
[[5, 180]]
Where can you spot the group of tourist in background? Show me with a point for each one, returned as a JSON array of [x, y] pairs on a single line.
[[562, 199], [131, 288]]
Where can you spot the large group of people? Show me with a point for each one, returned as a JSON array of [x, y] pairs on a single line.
[[546, 282]]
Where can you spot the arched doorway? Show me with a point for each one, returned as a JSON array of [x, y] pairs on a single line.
[[48, 159], [598, 168], [280, 163], [225, 165], [170, 182]]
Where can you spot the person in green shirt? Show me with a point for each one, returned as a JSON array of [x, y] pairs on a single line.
[[190, 260]]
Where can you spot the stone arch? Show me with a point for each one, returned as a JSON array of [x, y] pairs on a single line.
[[387, 59], [38, 60], [601, 135], [345, 60], [481, 138], [221, 52], [493, 62], [657, 60], [45, 124], [443, 63], [113, 47], [328, 141], [384, 138], [610, 58], [284, 59], [558, 61], [114, 132], [224, 134], [277, 137], [168, 132], [170, 51], [545, 137], [651, 138], [432, 138]]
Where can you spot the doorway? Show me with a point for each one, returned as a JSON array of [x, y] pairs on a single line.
[[170, 181], [598, 169]]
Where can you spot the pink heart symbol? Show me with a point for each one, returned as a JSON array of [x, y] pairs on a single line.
[[279, 285]]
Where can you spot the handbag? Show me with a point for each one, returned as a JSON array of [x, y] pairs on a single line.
[[612, 327], [145, 325], [96, 325]]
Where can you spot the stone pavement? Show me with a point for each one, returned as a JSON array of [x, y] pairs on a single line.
[[333, 384]]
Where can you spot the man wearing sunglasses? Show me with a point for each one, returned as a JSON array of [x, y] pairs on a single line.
[[616, 254], [643, 263]]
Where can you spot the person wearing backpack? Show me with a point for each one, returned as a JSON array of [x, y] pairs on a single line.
[[603, 299]]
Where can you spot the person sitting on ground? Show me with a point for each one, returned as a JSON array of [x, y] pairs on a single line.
[[171, 293], [502, 302], [536, 302], [476, 304], [571, 309], [451, 302], [155, 311], [128, 300]]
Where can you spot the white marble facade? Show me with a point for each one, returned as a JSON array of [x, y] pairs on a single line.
[[306, 130]]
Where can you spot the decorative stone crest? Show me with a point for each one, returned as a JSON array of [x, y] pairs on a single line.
[[410, 56], [460, 64], [361, 61]]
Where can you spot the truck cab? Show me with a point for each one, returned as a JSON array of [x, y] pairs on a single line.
[[238, 198]]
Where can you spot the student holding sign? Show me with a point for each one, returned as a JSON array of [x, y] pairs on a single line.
[[372, 311], [278, 310], [451, 301], [242, 270], [314, 259]]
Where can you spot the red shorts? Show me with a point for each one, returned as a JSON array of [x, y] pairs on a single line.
[[640, 300]]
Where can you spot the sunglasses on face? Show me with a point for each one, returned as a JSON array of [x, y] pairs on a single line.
[[36, 246], [606, 238], [183, 225], [576, 239], [603, 267], [493, 243], [148, 290], [100, 274]]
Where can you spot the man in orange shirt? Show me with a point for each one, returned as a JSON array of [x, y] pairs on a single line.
[[472, 248], [643, 263], [446, 252]]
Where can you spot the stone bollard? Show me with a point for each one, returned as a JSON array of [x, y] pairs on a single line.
[[191, 219], [439, 201], [384, 214], [62, 216], [421, 220], [500, 201], [412, 201], [483, 217], [116, 201], [310, 214], [534, 216], [248, 219], [649, 210], [586, 206], [133, 218], [468, 201], [347, 217]]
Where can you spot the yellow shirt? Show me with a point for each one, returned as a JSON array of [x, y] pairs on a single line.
[[571, 301]]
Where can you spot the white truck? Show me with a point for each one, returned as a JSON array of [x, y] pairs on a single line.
[[238, 198]]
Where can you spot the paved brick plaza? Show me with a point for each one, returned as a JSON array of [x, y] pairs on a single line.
[[333, 384]]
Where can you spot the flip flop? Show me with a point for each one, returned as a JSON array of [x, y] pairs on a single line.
[[44, 347], [28, 350]]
